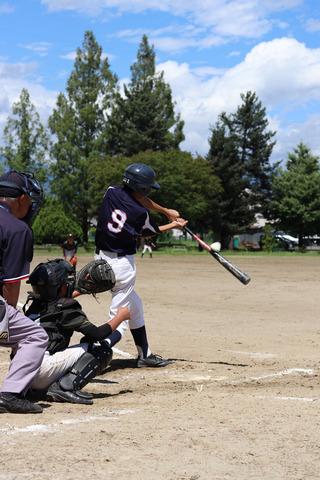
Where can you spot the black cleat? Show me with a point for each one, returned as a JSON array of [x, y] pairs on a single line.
[[56, 394], [82, 394], [153, 361], [15, 403]]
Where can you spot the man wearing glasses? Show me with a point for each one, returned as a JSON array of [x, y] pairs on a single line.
[[20, 199]]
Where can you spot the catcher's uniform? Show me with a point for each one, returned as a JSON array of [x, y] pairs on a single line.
[[121, 220], [60, 318]]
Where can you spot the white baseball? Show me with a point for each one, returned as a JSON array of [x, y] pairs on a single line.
[[216, 246]]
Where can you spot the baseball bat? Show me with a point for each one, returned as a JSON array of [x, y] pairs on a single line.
[[235, 271]]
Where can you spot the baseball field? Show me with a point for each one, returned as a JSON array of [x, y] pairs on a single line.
[[241, 401]]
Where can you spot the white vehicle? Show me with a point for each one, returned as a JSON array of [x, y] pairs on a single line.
[[289, 241]]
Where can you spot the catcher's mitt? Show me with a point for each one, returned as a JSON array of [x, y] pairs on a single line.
[[95, 277]]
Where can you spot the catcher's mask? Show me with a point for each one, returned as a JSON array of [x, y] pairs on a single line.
[[140, 178], [13, 184], [48, 277]]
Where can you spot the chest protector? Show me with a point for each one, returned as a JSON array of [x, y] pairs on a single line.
[[52, 316]]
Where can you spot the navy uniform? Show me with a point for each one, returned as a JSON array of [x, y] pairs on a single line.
[[121, 220], [21, 193]]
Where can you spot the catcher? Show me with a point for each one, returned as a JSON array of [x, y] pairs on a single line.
[[66, 370]]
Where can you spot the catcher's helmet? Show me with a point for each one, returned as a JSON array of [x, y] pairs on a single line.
[[47, 278], [13, 184], [140, 178]]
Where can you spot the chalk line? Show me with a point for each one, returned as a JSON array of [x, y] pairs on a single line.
[[299, 399], [253, 354], [53, 427], [282, 373], [121, 353]]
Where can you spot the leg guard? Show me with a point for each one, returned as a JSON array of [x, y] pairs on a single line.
[[87, 367]]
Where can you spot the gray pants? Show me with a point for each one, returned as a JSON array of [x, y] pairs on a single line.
[[28, 342]]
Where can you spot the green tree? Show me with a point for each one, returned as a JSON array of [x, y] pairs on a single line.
[[296, 194], [143, 118], [268, 241], [78, 123], [25, 139], [240, 149], [254, 142], [233, 213], [52, 224]]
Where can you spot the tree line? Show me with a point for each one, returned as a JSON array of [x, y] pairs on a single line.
[[99, 126]]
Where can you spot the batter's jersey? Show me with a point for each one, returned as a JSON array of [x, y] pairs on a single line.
[[121, 219], [16, 247]]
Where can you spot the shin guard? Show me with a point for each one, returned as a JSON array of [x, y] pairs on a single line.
[[87, 367]]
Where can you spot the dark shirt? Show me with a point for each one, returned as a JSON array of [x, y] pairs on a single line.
[[62, 317], [16, 247], [69, 250], [121, 219]]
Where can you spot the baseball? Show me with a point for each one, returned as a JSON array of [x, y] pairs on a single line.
[[216, 246]]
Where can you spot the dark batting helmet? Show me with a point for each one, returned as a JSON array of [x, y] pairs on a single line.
[[13, 184], [47, 278], [140, 178]]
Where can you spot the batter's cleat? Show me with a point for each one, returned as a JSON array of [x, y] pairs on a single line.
[[15, 403], [153, 361], [56, 394]]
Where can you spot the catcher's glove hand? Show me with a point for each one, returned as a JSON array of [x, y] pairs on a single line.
[[95, 277]]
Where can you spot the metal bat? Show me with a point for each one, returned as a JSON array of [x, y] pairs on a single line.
[[241, 276]]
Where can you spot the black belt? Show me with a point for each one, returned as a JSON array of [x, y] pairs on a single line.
[[119, 255]]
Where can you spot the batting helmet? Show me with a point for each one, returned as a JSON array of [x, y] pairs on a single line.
[[47, 278], [140, 178]]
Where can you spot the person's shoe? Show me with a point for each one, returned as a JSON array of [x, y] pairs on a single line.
[[56, 394], [153, 361], [15, 403], [82, 394]]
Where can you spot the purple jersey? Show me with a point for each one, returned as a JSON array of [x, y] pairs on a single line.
[[121, 219]]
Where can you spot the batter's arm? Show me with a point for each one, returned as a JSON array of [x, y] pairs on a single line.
[[175, 224], [171, 214]]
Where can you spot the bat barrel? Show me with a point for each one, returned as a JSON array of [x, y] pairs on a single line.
[[235, 271]]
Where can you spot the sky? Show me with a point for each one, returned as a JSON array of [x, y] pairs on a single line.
[[210, 51]]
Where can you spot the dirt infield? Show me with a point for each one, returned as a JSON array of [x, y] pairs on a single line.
[[240, 402]]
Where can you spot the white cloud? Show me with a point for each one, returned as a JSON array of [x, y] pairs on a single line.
[[15, 77], [69, 56], [284, 73], [41, 48], [313, 25], [217, 18]]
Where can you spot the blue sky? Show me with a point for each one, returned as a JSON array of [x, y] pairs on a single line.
[[209, 50]]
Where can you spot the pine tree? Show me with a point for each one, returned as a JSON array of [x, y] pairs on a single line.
[[240, 149], [79, 123], [232, 213], [143, 118], [25, 139], [254, 142], [296, 194]]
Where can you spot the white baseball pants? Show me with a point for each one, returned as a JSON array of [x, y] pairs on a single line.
[[123, 293]]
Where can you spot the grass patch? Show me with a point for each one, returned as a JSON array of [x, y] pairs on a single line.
[[55, 251]]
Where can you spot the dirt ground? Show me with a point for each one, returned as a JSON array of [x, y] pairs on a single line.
[[240, 402]]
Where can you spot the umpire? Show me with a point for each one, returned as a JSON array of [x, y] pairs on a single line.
[[20, 199]]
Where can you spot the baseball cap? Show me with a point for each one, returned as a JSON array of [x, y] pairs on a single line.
[[12, 184]]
